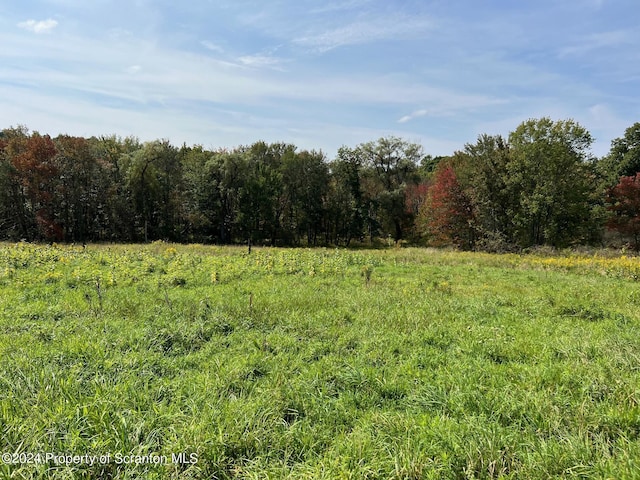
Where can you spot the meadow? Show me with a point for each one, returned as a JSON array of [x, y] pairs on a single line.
[[197, 362]]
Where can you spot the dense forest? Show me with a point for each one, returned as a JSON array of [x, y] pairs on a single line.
[[538, 186]]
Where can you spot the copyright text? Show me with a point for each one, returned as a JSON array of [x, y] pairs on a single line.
[[92, 459]]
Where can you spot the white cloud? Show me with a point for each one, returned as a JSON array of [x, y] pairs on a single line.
[[212, 46], [615, 38], [459, 77], [340, 6], [411, 116], [102, 95], [259, 61], [106, 69], [362, 32], [42, 26]]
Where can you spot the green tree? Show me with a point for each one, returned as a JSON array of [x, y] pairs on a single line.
[[483, 172], [549, 175], [390, 164], [623, 159], [346, 210], [83, 188], [203, 190], [428, 165], [260, 206], [233, 172], [113, 154], [305, 176], [153, 181]]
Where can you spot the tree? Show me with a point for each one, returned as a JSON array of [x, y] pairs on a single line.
[[260, 206], [429, 163], [114, 154], [202, 178], [31, 174], [233, 171], [415, 195], [483, 171], [346, 204], [153, 182], [624, 204], [82, 192], [390, 164], [624, 156], [14, 218], [548, 173], [446, 217], [305, 179]]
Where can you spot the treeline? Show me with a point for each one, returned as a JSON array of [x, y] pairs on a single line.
[[539, 186]]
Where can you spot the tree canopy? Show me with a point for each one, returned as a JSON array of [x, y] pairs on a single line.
[[540, 185]]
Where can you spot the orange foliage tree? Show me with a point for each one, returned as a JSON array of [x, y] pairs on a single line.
[[34, 173], [446, 217]]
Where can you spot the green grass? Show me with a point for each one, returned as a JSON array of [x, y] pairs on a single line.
[[396, 364]]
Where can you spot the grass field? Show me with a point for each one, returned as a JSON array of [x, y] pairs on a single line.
[[389, 364]]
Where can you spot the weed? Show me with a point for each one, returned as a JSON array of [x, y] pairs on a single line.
[[366, 271]]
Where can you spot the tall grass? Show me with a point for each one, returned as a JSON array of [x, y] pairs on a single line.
[[297, 364]]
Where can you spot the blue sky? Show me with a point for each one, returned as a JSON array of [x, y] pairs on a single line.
[[318, 74]]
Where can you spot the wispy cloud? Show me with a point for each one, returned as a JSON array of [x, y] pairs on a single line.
[[600, 40], [259, 61], [285, 68], [42, 26], [413, 115], [212, 46], [365, 31], [340, 6]]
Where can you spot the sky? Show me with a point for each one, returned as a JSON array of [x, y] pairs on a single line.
[[318, 74]]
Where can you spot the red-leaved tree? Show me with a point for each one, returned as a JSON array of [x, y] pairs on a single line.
[[35, 171], [624, 204], [414, 197], [447, 214]]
